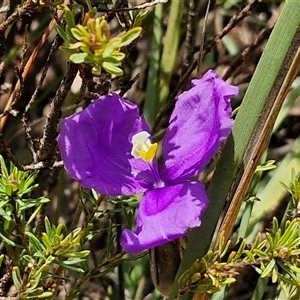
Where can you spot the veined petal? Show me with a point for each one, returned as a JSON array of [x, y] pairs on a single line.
[[95, 146], [200, 122], [166, 214]]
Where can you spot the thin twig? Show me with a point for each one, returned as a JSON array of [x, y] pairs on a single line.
[[93, 272], [47, 144], [6, 279], [25, 9], [128, 86], [10, 155], [31, 167], [238, 62], [19, 70], [141, 6], [201, 54], [25, 118], [18, 227], [91, 215], [42, 165], [190, 36]]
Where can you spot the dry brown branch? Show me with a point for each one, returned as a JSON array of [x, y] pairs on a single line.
[[30, 61], [190, 35], [25, 118], [28, 7], [47, 144], [238, 62]]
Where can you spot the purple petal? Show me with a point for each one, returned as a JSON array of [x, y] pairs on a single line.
[[95, 146], [166, 214], [200, 122]]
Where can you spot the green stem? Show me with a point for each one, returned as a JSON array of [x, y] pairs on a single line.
[[170, 50], [151, 106]]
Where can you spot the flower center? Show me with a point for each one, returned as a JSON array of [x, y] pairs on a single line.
[[142, 146]]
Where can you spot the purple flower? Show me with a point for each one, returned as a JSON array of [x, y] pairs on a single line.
[[108, 147]]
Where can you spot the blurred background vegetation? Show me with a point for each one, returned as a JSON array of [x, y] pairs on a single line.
[[58, 241]]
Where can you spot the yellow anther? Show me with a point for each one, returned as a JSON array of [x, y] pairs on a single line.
[[142, 146], [149, 154]]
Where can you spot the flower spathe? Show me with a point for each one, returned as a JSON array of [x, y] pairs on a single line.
[[108, 147]]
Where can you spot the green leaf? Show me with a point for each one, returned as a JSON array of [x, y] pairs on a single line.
[[289, 234], [117, 56], [101, 30], [70, 267], [228, 281], [47, 243], [44, 295], [29, 203], [59, 229], [63, 34], [34, 283], [73, 262], [113, 70], [79, 254], [67, 50], [268, 269], [130, 36], [37, 245], [268, 165], [1, 259], [77, 33], [26, 186], [141, 14], [17, 279], [294, 268], [48, 228], [249, 255], [111, 60], [34, 214], [4, 170], [111, 46], [6, 214], [38, 294], [270, 240], [7, 241], [69, 17], [295, 252], [78, 58], [260, 253], [92, 11]]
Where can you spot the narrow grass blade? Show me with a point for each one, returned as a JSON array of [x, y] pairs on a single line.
[[261, 85]]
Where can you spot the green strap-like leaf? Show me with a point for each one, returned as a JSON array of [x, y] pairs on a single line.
[[255, 98]]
